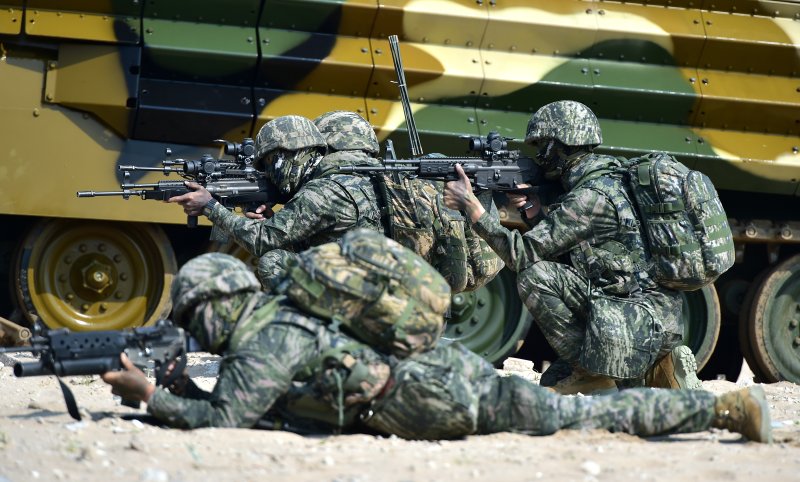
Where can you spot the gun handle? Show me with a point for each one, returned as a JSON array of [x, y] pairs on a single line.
[[191, 221], [130, 403]]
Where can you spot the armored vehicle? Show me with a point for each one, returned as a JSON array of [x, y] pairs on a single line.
[[88, 86]]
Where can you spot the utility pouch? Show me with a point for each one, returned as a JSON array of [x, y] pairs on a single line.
[[623, 336]]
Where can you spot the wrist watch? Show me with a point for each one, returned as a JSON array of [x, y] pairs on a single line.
[[209, 207]]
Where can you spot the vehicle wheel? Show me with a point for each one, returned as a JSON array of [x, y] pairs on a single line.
[[92, 275], [774, 320], [702, 318], [490, 321], [745, 339]]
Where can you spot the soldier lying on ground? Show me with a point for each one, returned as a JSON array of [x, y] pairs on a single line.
[[289, 369]]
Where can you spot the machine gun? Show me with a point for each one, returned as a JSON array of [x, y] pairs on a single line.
[[65, 353], [232, 182], [490, 164]]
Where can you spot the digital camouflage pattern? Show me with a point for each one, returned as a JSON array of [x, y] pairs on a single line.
[[384, 294], [416, 215], [272, 267], [450, 392], [278, 345], [567, 121], [419, 221], [599, 213], [288, 149], [123, 80], [347, 131], [289, 133], [211, 275], [685, 224], [320, 212]]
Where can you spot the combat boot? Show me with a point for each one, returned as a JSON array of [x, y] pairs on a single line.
[[678, 369], [746, 412], [582, 381], [556, 371]]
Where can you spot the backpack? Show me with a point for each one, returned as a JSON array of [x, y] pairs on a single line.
[[416, 217], [380, 292], [683, 220]]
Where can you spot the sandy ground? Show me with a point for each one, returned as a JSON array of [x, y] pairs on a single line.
[[39, 441]]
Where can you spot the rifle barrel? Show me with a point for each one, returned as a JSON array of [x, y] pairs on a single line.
[[103, 193], [155, 169], [411, 125]]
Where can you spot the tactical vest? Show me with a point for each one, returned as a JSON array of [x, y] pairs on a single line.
[[335, 385], [618, 265], [417, 218]]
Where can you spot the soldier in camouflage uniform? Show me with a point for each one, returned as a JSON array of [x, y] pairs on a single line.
[[283, 368], [444, 239], [317, 209], [323, 203], [602, 314]]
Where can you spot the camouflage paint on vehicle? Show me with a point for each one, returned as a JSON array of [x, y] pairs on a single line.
[[93, 85]]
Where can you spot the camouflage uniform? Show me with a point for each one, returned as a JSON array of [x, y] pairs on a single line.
[[320, 210], [330, 204], [450, 392], [604, 312], [438, 234], [285, 369]]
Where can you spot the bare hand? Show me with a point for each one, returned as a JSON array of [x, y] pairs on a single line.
[[192, 202], [458, 195], [130, 383], [261, 212]]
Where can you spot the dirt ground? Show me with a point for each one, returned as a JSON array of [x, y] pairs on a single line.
[[39, 441]]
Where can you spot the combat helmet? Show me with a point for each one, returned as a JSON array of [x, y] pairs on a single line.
[[566, 121], [347, 131], [210, 277], [294, 146]]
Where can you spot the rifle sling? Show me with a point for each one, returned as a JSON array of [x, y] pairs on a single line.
[[69, 399]]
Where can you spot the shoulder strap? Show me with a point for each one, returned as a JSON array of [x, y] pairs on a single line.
[[255, 322], [382, 195]]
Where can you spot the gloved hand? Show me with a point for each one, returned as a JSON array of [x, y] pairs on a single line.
[[130, 384]]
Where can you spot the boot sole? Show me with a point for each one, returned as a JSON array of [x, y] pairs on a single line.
[[765, 430], [685, 368]]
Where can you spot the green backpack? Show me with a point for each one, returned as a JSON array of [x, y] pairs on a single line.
[[683, 220], [384, 294], [418, 219]]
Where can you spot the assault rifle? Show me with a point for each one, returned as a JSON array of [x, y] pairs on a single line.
[[232, 182], [492, 166], [65, 353]]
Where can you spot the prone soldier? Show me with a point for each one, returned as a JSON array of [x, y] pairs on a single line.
[[284, 365]]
